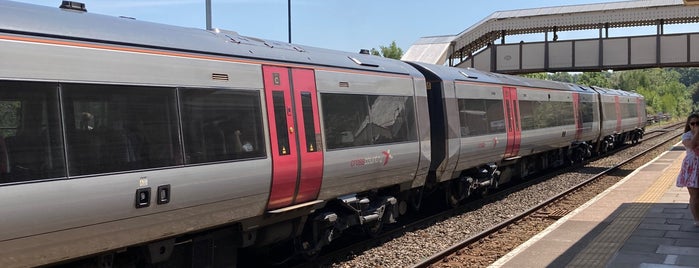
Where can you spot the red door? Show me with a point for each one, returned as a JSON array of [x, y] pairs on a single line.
[[617, 108], [294, 129], [514, 130]]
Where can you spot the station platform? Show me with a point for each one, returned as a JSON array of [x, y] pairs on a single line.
[[642, 221]]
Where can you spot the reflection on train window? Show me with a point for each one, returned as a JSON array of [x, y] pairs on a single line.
[[481, 117], [221, 125], [281, 124], [544, 114], [356, 120], [629, 110], [117, 128], [588, 112], [30, 135], [609, 110], [309, 126]]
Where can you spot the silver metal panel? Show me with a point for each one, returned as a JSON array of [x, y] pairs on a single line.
[[544, 139], [348, 171], [643, 50], [616, 51], [65, 63], [475, 151], [97, 213], [533, 56], [482, 60], [478, 91], [561, 54], [507, 57], [365, 83], [694, 47], [673, 48], [423, 126], [586, 53]]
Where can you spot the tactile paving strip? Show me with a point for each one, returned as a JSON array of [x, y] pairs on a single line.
[[606, 244]]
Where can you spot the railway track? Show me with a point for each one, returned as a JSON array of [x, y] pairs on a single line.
[[370, 251], [486, 247]]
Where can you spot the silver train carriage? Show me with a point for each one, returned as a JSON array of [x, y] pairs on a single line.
[[490, 128], [127, 135], [118, 132]]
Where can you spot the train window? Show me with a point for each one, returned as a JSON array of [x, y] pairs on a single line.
[[309, 126], [473, 117], [544, 114], [389, 120], [588, 112], [610, 111], [282, 125], [357, 120], [346, 120], [117, 128], [495, 116], [31, 140], [481, 117], [220, 125], [630, 110]]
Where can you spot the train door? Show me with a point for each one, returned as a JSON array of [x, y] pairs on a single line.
[[514, 130], [294, 129], [617, 109]]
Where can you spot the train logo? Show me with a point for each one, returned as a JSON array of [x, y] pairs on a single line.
[[375, 159]]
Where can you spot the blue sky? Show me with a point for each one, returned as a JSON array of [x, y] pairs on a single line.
[[347, 25]]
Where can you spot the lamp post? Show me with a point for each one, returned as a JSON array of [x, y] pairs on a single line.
[[208, 15], [289, 16]]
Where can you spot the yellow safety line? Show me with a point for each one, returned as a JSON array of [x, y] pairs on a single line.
[[607, 243]]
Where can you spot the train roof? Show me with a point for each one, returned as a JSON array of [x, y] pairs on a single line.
[[473, 75], [28, 19]]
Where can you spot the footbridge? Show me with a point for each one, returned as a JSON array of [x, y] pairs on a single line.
[[476, 46]]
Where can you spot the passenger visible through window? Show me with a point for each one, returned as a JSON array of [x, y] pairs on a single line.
[[30, 135], [117, 128], [221, 124]]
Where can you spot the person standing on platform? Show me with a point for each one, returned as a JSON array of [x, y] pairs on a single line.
[[689, 175]]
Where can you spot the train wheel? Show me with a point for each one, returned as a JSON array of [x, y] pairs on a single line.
[[373, 229], [457, 191], [415, 199]]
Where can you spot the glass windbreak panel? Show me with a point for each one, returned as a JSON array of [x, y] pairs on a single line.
[[309, 125], [119, 128], [346, 120], [390, 119], [30, 135], [220, 125]]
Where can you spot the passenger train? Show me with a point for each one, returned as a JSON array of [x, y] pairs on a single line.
[[128, 141]]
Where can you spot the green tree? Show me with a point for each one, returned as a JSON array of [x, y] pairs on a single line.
[[599, 79], [391, 51]]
